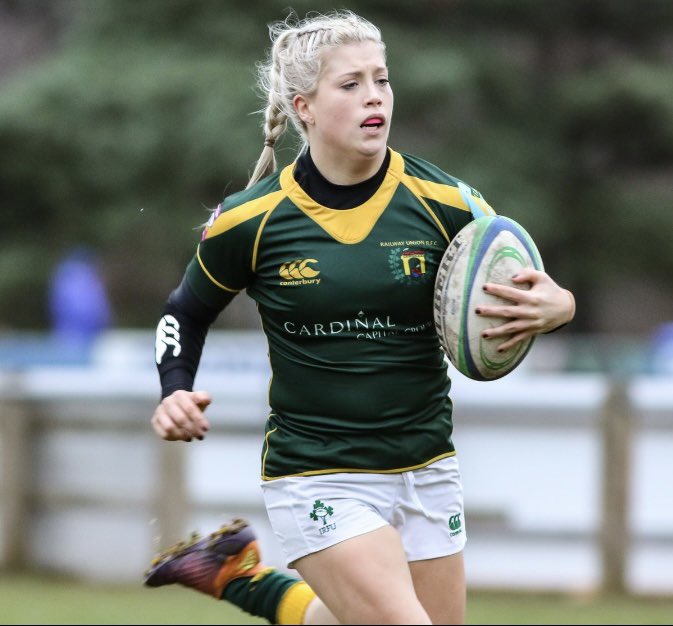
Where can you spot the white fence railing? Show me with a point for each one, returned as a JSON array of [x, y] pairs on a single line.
[[568, 478]]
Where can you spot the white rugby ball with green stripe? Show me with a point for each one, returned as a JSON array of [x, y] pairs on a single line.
[[490, 249]]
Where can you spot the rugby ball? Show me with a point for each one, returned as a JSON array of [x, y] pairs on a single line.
[[490, 249]]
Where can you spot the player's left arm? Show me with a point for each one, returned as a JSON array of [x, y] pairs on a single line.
[[543, 308]]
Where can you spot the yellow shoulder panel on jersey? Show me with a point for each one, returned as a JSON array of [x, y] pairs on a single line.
[[229, 219], [348, 226], [439, 192], [461, 197]]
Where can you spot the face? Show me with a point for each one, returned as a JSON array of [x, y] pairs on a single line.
[[349, 115]]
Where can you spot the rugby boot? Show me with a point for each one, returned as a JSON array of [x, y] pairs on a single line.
[[208, 564]]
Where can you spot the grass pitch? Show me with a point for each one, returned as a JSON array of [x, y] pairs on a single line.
[[34, 600]]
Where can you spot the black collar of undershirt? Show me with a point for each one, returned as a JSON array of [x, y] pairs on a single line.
[[336, 196]]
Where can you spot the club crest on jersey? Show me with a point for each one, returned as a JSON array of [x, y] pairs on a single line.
[[211, 221], [408, 265], [299, 272]]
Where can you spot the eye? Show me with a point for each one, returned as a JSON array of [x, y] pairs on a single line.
[[350, 85], [383, 81]]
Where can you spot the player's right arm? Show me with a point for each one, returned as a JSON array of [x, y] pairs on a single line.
[[222, 267], [180, 336]]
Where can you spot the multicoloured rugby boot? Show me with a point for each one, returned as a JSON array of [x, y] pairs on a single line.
[[208, 564]]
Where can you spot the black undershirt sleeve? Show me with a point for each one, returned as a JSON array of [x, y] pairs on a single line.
[[180, 336]]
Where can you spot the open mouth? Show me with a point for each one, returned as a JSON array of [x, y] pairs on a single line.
[[372, 122]]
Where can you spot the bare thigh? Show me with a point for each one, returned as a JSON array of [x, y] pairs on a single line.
[[365, 580], [440, 587]]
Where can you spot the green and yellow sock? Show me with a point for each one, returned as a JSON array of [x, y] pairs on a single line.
[[294, 603], [275, 596]]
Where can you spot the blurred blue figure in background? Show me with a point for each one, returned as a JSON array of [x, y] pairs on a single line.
[[661, 350], [78, 303]]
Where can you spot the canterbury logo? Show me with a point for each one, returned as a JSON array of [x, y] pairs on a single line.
[[454, 522], [298, 269], [168, 334]]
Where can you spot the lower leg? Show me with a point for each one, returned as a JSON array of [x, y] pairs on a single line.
[[318, 613]]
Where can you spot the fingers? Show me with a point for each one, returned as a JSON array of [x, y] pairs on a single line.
[[531, 281], [515, 303], [510, 311], [528, 275], [202, 399], [179, 417], [526, 311], [513, 339]]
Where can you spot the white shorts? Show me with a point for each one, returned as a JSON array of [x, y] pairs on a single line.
[[311, 513]]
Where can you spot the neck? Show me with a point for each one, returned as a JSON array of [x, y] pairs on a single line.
[[346, 171]]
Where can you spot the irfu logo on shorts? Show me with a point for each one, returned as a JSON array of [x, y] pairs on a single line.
[[321, 512], [455, 525]]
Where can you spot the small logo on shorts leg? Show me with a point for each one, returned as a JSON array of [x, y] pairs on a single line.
[[455, 525], [321, 512]]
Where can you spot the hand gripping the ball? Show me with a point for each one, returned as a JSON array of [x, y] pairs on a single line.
[[540, 309]]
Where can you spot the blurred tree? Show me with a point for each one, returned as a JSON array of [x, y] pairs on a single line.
[[560, 113]]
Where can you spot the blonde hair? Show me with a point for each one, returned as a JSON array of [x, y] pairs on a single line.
[[293, 67]]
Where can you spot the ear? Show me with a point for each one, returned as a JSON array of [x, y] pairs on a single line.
[[303, 108]]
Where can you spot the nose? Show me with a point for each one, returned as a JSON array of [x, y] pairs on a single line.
[[373, 97]]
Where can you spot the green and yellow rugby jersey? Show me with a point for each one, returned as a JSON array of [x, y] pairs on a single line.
[[359, 381]]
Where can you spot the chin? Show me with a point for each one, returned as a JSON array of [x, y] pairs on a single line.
[[372, 150]]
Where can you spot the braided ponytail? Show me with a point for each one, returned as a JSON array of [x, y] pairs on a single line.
[[274, 126]]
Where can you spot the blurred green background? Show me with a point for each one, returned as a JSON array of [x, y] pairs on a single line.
[[123, 121]]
